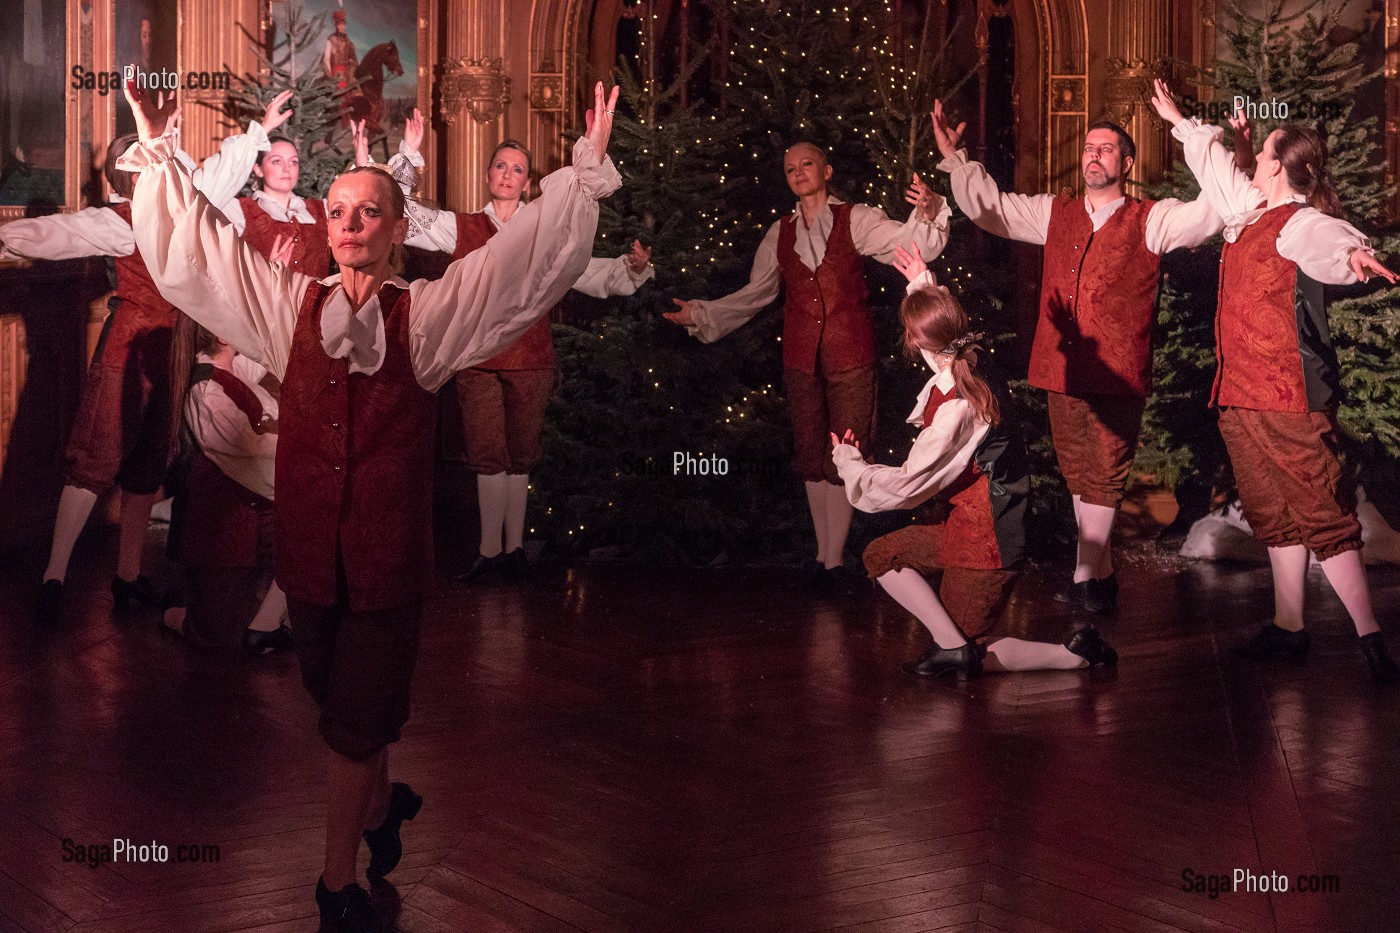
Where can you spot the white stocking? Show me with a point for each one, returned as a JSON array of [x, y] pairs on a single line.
[[909, 588], [1095, 558], [1347, 574], [74, 507], [517, 490], [838, 524], [816, 504], [1290, 566], [491, 495], [272, 611], [1015, 654], [136, 519]]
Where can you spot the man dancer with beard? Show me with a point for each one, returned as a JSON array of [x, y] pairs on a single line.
[[1093, 342]]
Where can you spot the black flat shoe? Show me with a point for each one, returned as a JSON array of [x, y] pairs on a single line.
[[515, 564], [814, 576], [965, 662], [50, 600], [1097, 596], [385, 845], [1272, 641], [140, 590], [1383, 669], [483, 566], [840, 581], [1088, 644], [348, 910], [260, 643]]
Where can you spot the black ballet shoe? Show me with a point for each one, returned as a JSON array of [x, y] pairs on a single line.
[[515, 564], [260, 643], [49, 602], [1272, 641], [1089, 645], [385, 846], [482, 567], [348, 910], [1097, 596], [840, 581], [965, 662], [814, 575], [1383, 669], [141, 591]]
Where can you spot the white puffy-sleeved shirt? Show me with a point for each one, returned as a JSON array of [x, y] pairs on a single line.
[[436, 230], [941, 452], [1319, 244], [872, 233], [1171, 224], [225, 434], [482, 303]]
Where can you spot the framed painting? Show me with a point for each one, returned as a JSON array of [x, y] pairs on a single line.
[[40, 149]]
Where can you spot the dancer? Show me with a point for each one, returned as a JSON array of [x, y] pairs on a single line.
[[121, 434], [503, 399], [977, 465], [275, 213], [1093, 342], [360, 356], [829, 364], [1276, 380], [221, 524]]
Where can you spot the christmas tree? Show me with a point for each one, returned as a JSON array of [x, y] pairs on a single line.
[[1286, 54], [315, 125]]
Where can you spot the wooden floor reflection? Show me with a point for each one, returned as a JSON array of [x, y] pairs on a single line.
[[615, 750]]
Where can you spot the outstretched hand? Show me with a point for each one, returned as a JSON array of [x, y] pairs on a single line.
[[908, 261], [153, 114], [281, 251], [848, 438], [1164, 105], [1244, 141], [274, 116], [413, 131], [598, 121], [949, 140], [684, 316], [921, 196], [1365, 265], [639, 258]]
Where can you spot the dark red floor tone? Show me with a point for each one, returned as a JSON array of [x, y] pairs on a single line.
[[617, 750]]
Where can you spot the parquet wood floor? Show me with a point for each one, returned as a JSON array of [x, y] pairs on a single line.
[[611, 749]]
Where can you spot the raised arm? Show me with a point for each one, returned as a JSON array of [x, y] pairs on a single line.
[[1329, 250], [486, 299], [619, 276], [708, 321], [1173, 224], [875, 235], [1015, 216], [1223, 185], [198, 260], [93, 231]]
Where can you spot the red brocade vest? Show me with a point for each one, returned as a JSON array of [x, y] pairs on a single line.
[[969, 536], [144, 322], [354, 469], [825, 316], [1272, 348], [533, 349], [220, 519], [1098, 296], [311, 254]]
